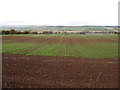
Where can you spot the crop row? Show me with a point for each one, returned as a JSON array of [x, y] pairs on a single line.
[[46, 47]]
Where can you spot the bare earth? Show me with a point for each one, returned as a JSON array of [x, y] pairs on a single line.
[[67, 40], [20, 71]]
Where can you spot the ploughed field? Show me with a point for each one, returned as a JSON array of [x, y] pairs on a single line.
[[60, 61]]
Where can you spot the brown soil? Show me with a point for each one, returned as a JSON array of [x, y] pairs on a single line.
[[67, 40], [20, 71], [108, 40]]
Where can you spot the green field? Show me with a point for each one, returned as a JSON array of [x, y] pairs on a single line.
[[82, 46]]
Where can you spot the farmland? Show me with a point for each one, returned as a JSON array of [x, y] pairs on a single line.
[[63, 45], [78, 61]]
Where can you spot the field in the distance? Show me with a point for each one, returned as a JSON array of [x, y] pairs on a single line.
[[60, 61]]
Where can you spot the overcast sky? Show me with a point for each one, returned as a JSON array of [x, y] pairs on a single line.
[[59, 12]]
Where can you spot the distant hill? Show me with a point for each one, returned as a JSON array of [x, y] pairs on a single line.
[[59, 28]]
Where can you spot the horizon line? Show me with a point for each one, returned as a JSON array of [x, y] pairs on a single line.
[[57, 25]]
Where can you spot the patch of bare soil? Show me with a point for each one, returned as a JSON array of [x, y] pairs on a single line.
[[108, 40], [14, 39], [20, 71], [67, 40]]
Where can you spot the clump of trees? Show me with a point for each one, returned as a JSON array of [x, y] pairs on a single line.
[[34, 33], [47, 32], [13, 31]]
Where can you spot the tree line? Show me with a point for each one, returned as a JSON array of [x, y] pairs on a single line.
[[13, 31]]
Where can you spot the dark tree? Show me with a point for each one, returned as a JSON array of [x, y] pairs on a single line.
[[5, 32], [12, 31], [19, 32], [25, 32], [34, 32]]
